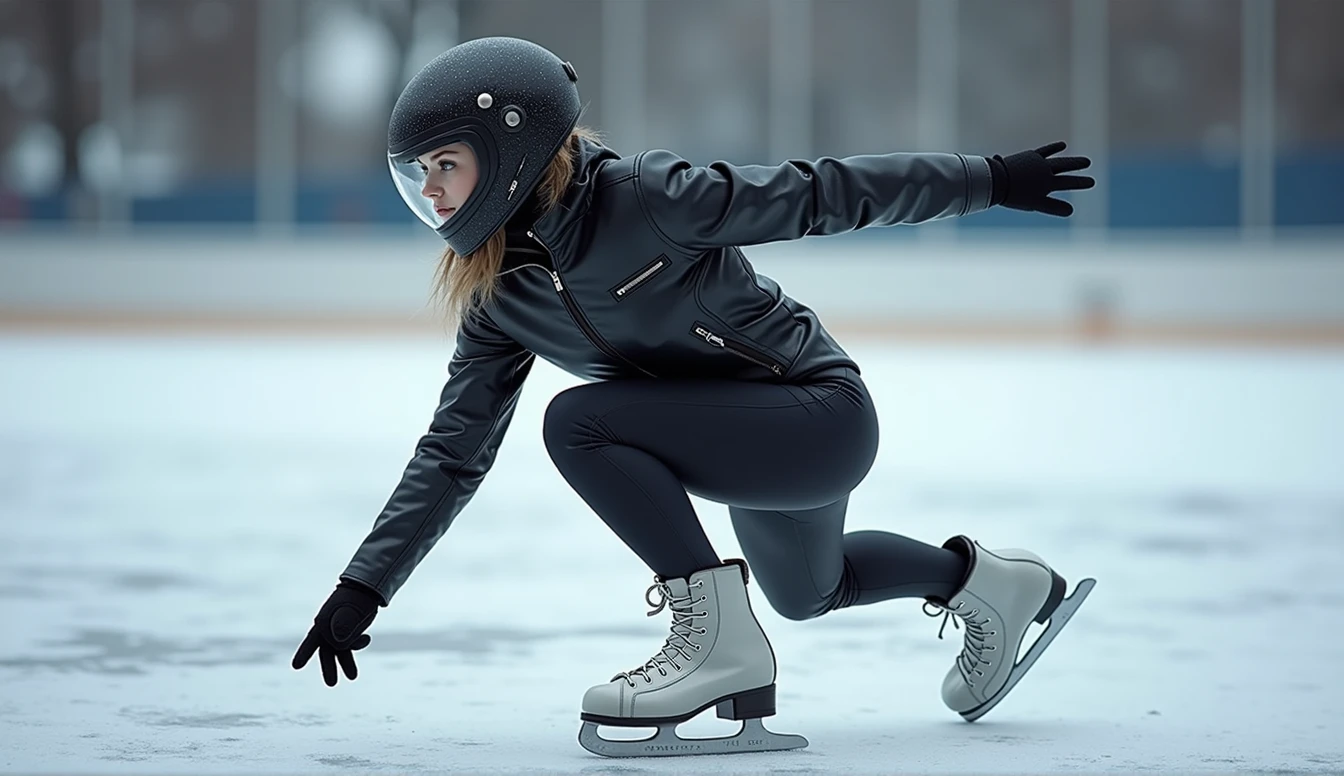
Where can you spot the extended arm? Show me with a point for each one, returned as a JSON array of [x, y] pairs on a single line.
[[699, 208], [485, 378]]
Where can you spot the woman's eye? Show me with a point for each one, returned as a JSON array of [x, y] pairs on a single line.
[[423, 169], [446, 165]]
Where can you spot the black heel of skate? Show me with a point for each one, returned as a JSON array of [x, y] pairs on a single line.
[[752, 704], [1057, 588]]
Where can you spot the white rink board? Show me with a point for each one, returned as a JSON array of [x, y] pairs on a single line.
[[996, 279], [176, 509]]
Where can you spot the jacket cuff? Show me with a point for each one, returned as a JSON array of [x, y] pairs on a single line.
[[384, 597], [979, 184]]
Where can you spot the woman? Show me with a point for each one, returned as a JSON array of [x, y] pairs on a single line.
[[705, 379]]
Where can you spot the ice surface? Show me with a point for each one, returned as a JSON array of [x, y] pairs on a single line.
[[175, 509]]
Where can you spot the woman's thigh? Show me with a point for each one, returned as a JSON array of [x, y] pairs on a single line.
[[752, 445]]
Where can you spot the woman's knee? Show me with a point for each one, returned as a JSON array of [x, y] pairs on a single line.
[[569, 420], [796, 607]]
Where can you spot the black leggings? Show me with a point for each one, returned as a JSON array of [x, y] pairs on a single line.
[[784, 458]]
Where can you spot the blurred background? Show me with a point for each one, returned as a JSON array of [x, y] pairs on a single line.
[[217, 355], [147, 145]]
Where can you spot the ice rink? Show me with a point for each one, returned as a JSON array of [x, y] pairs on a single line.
[[176, 508]]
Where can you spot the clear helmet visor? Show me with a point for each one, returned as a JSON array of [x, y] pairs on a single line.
[[410, 177]]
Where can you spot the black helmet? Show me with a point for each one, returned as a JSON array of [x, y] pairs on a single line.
[[514, 102]]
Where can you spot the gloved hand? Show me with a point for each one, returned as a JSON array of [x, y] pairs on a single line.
[[338, 630], [1025, 181]]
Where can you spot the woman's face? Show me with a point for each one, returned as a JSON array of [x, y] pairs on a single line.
[[450, 175]]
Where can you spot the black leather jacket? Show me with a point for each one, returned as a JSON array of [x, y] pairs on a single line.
[[639, 274]]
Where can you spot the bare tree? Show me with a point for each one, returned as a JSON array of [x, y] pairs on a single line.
[[398, 16], [58, 22]]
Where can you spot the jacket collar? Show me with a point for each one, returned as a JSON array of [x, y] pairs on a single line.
[[555, 229], [556, 223]]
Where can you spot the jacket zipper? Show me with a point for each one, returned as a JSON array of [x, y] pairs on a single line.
[[736, 349], [577, 316], [626, 287]]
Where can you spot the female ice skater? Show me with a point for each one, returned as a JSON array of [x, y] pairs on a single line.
[[704, 378]]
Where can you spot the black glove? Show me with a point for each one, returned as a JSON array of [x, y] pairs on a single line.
[[1025, 181], [338, 630]]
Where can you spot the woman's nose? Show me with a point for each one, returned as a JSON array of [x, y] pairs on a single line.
[[429, 190]]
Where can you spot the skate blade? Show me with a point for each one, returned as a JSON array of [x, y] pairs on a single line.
[[1058, 620], [753, 737]]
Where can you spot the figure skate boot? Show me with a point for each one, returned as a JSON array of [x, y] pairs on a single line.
[[1003, 593], [717, 655]]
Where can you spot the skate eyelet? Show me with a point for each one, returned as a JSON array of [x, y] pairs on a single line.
[[702, 631], [978, 672], [698, 583], [993, 633]]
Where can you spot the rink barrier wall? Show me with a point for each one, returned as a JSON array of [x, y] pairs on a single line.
[[1213, 287]]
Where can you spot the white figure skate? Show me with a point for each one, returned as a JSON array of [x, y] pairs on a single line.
[[1003, 593], [717, 655]]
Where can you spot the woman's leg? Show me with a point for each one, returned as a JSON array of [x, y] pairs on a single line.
[[806, 565], [784, 456]]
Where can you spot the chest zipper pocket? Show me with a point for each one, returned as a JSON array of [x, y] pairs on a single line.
[[736, 348], [627, 286]]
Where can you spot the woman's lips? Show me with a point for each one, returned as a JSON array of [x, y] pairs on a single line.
[[444, 212]]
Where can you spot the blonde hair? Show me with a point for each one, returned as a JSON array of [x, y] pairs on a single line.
[[463, 283]]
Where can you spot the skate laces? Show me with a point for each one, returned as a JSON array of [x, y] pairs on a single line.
[[972, 653], [679, 644]]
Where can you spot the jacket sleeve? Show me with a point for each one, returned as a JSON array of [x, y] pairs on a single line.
[[485, 378], [699, 208]]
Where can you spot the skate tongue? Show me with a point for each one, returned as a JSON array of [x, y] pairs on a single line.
[[678, 588], [667, 591]]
